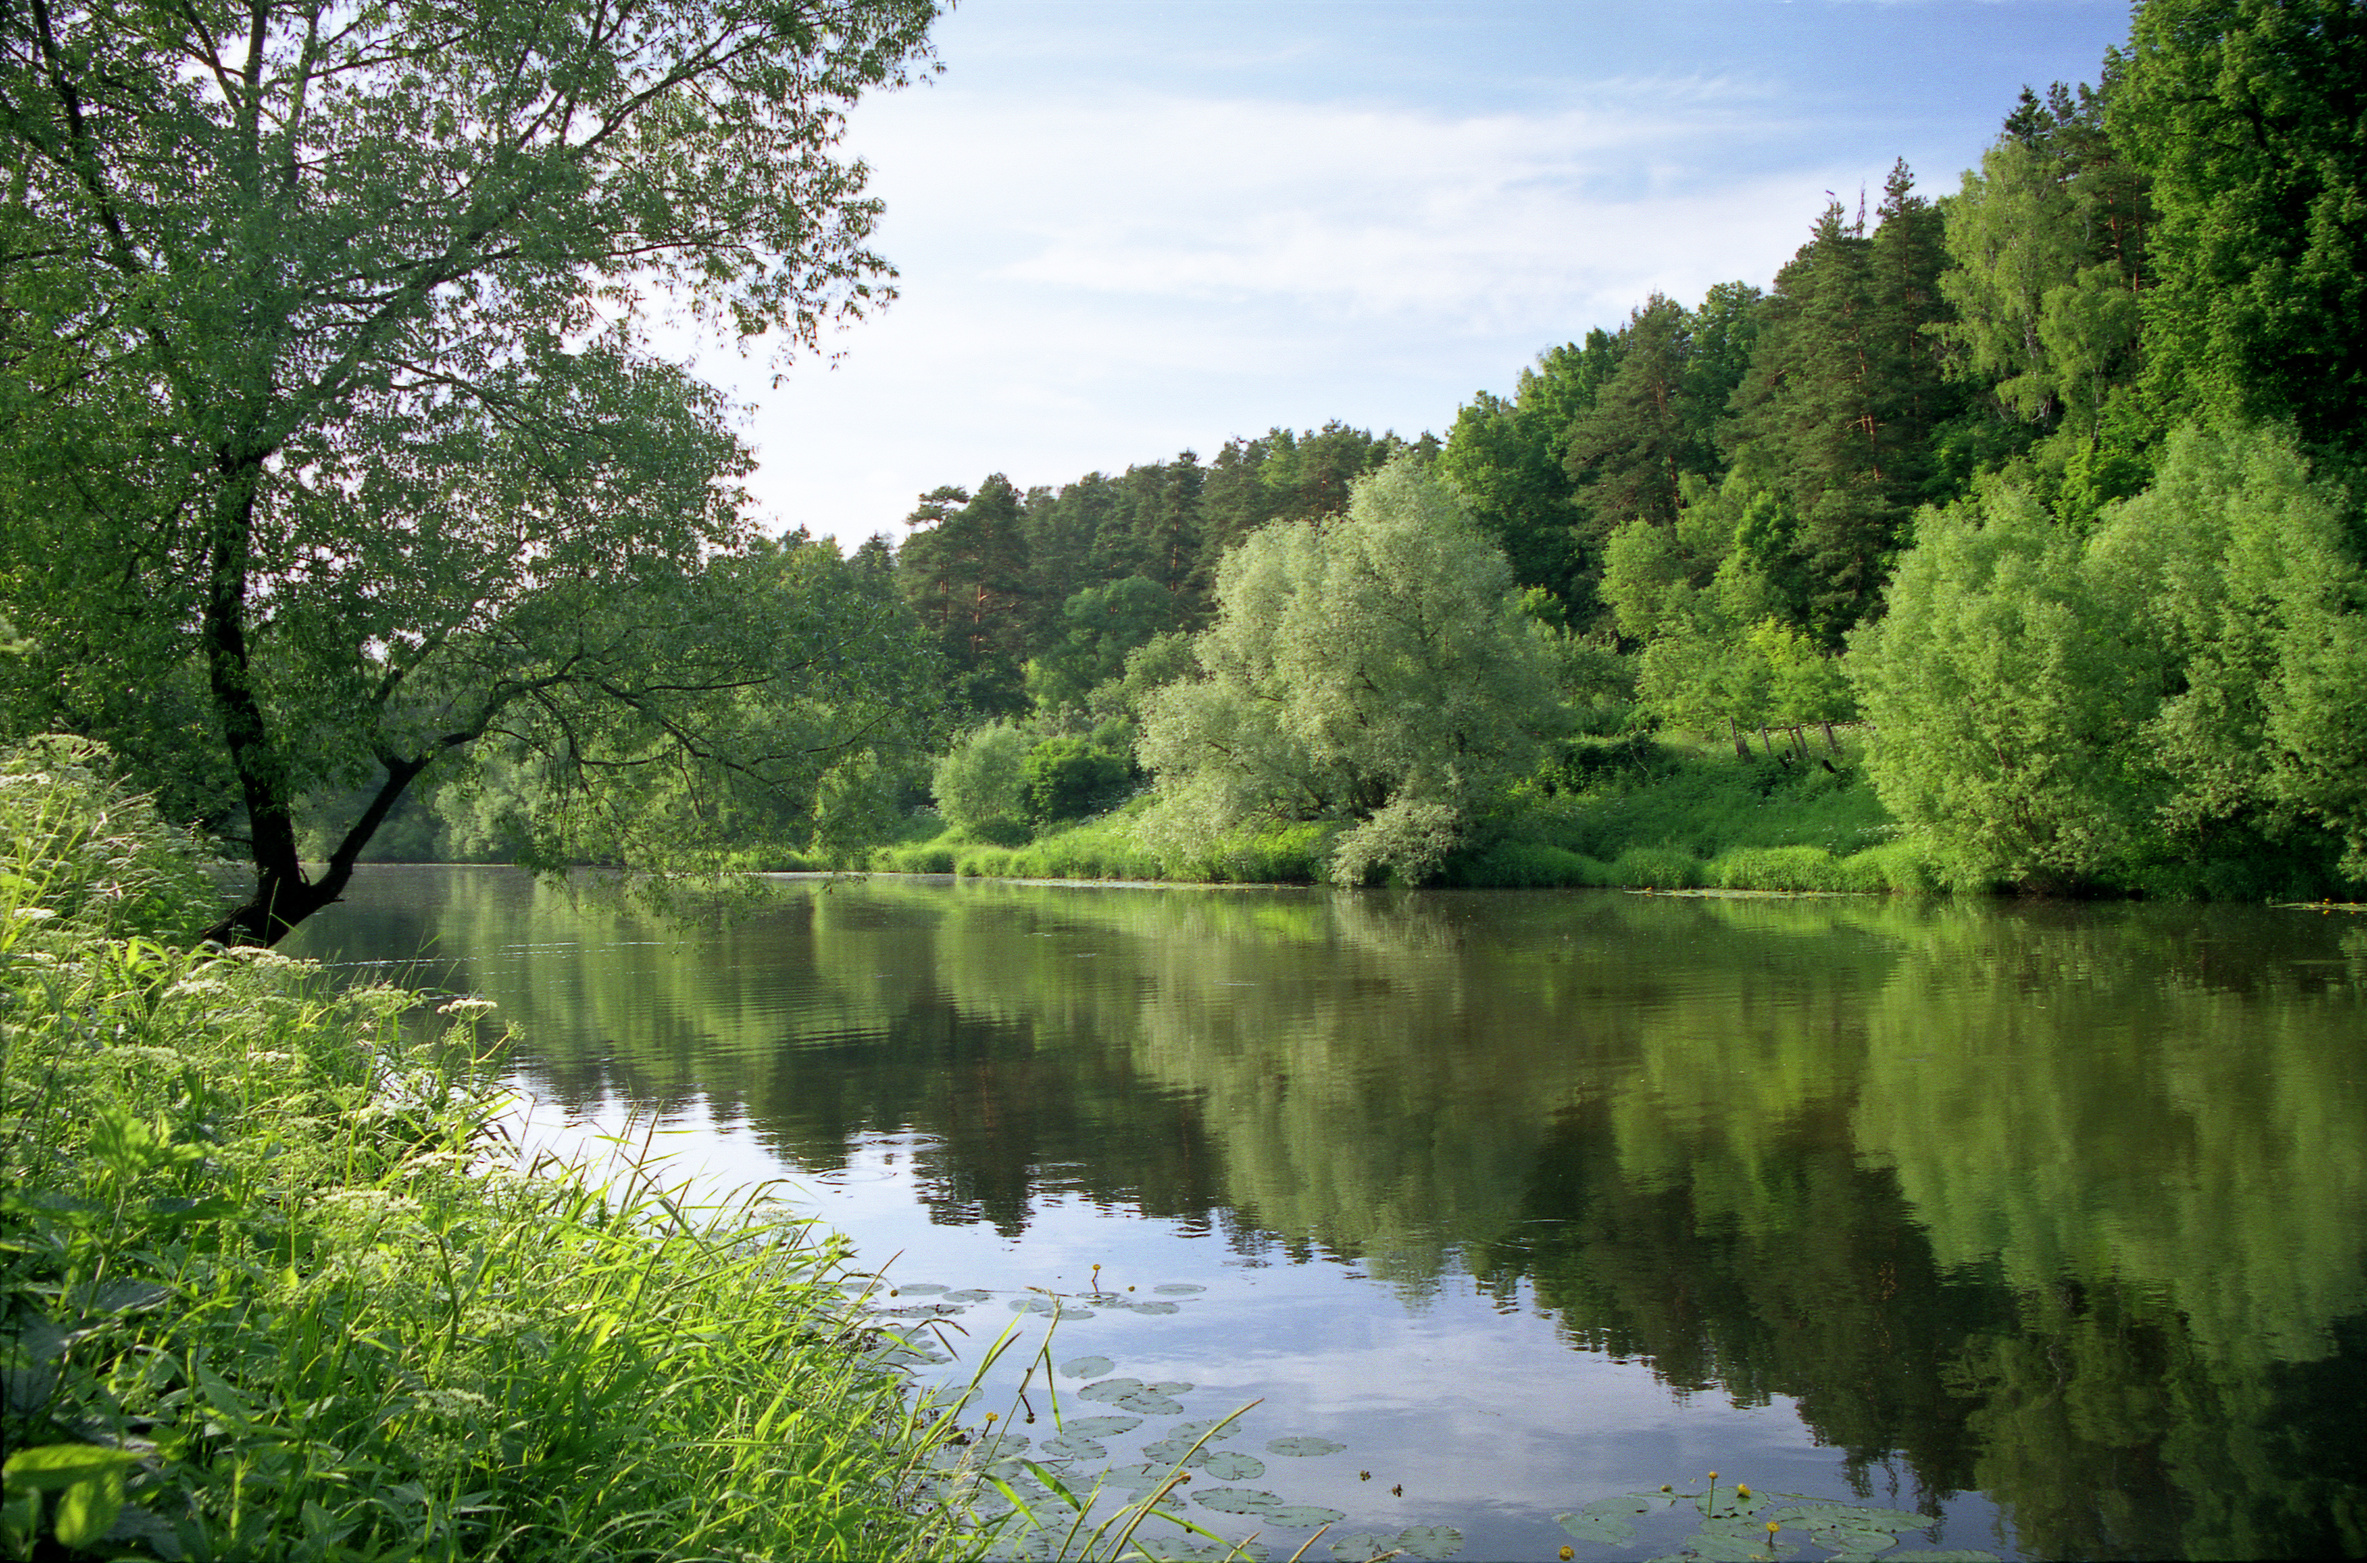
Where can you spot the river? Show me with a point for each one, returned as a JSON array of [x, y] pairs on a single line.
[[2046, 1221]]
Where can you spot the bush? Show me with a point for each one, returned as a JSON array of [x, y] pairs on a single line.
[[980, 785], [82, 848], [1069, 778]]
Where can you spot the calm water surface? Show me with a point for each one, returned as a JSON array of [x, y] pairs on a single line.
[[2049, 1221]]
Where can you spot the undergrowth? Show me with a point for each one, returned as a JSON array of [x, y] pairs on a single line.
[[268, 1291]]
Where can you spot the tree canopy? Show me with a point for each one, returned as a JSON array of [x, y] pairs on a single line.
[[334, 441], [1373, 671]]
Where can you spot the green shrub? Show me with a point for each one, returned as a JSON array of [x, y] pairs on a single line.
[[1522, 865], [1069, 778]]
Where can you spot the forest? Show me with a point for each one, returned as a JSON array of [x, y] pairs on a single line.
[[2006, 540]]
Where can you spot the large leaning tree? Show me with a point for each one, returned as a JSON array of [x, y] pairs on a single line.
[[333, 446]]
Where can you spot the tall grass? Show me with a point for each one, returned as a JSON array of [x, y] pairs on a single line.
[[267, 1294]]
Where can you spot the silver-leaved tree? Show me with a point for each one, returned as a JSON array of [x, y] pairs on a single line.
[[333, 447]]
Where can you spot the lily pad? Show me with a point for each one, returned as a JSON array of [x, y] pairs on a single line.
[[1433, 1542], [1101, 1426], [1178, 1289], [968, 1295], [1109, 1389], [1238, 1500], [1849, 1516], [1213, 1552], [1087, 1367], [1151, 1307], [1169, 1387], [1854, 1543], [1304, 1516], [1214, 1427], [1230, 1465], [1303, 1445], [1170, 1452], [1941, 1555], [1133, 1478], [924, 1290], [921, 1311], [1363, 1546], [1146, 1402], [1074, 1446]]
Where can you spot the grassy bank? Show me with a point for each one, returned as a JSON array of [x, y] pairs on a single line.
[[1634, 813], [267, 1295]]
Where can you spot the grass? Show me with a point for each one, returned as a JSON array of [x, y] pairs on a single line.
[[271, 1292], [272, 1286], [1626, 812]]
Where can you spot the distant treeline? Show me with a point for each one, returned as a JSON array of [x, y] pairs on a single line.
[[2101, 406]]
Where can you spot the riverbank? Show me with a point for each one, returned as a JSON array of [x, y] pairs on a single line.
[[1635, 814], [272, 1290]]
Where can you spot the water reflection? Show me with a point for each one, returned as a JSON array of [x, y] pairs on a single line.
[[2061, 1204]]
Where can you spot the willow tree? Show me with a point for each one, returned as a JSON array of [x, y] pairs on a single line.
[[1373, 671], [334, 441]]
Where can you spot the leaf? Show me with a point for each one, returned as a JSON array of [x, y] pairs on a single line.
[[1238, 1500], [1304, 1516], [87, 1508], [1074, 1446], [1101, 1426], [1152, 1307], [1362, 1546], [1849, 1516], [1214, 1427], [1178, 1289], [1087, 1367], [923, 1290], [1610, 1529], [52, 1467], [1230, 1465], [1303, 1445], [1148, 1403], [1171, 1451], [968, 1295], [1434, 1542], [1109, 1389], [1939, 1555]]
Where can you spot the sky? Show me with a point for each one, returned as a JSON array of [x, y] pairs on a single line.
[[1128, 228]]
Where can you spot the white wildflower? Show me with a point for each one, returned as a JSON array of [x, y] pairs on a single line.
[[467, 1006]]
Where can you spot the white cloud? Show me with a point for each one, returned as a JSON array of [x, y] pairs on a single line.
[[1091, 281]]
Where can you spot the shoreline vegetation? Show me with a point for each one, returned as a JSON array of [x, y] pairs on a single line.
[[273, 1284]]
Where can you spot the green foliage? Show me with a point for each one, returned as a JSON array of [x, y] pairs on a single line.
[[270, 1293], [1374, 672], [2182, 683], [981, 784], [84, 853], [333, 440], [1069, 778], [2244, 115]]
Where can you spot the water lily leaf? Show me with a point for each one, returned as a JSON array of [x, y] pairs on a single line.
[[1303, 1445], [1434, 1542], [1230, 1465], [1212, 1552], [1857, 1543], [1304, 1516], [1109, 1389], [1214, 1427], [923, 1290], [1087, 1367], [1171, 1451], [1033, 1305], [920, 1311], [1850, 1516], [1101, 1426], [1169, 1387], [1609, 1529], [1145, 1403], [1133, 1478], [1152, 1307], [1238, 1500], [1939, 1555], [968, 1295], [1178, 1289], [1363, 1546], [1074, 1446]]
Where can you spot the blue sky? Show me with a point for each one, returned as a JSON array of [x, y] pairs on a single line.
[[1129, 229]]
